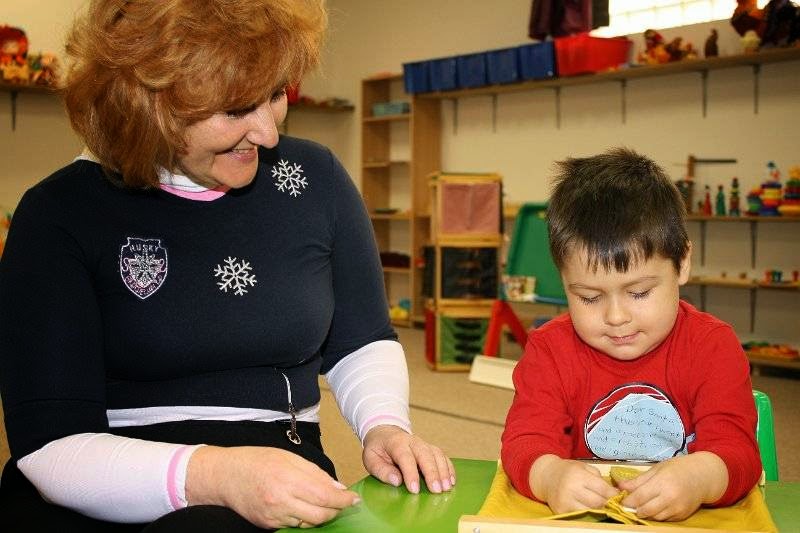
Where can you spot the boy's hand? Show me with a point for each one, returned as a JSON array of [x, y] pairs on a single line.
[[567, 485], [676, 488]]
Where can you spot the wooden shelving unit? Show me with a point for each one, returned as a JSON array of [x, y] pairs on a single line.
[[752, 220], [758, 361], [753, 286], [645, 71], [388, 178], [700, 66]]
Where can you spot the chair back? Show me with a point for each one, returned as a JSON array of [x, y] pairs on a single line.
[[765, 435], [529, 254]]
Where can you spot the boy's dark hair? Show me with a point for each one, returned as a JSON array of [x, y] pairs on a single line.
[[618, 206]]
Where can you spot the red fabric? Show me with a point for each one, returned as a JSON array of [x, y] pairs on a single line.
[[470, 208], [700, 367]]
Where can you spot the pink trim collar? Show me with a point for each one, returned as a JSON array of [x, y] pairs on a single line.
[[204, 196]]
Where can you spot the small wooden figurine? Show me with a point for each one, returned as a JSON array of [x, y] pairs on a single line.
[[706, 209], [733, 206], [711, 49], [720, 204]]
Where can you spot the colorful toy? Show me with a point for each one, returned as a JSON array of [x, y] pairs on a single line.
[[773, 276], [765, 349], [771, 192], [401, 311], [719, 209], [733, 206], [747, 17], [753, 202], [657, 51], [13, 54], [44, 69], [751, 42], [705, 208], [790, 205]]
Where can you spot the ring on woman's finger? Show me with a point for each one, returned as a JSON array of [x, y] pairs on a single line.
[[299, 522]]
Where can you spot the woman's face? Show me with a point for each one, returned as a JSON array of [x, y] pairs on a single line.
[[223, 149]]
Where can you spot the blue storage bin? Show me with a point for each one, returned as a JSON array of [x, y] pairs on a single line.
[[502, 66], [442, 74], [416, 77], [471, 70], [537, 60]]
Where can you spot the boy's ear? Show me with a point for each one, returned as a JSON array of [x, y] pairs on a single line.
[[686, 266]]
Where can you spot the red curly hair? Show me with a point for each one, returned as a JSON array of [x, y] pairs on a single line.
[[144, 70]]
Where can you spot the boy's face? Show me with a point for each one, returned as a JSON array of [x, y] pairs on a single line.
[[624, 315]]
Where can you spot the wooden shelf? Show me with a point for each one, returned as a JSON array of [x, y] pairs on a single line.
[[760, 360], [13, 89], [636, 72], [751, 285], [383, 164], [26, 88], [322, 108], [753, 220], [405, 215], [713, 218], [720, 282], [699, 66], [385, 175], [788, 286], [388, 118], [396, 270]]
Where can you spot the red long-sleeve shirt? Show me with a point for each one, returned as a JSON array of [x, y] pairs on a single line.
[[692, 393]]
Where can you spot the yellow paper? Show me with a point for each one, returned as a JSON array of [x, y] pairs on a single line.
[[748, 514]]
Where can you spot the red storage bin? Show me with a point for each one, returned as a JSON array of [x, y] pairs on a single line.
[[582, 53]]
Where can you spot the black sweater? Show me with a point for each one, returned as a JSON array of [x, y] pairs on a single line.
[[115, 299]]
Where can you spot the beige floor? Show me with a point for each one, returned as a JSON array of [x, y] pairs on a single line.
[[466, 419]]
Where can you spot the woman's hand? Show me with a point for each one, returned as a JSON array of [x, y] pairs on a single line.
[[270, 487], [394, 456]]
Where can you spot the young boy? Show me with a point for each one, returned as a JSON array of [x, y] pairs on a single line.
[[631, 372]]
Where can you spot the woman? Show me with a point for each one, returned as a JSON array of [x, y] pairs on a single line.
[[171, 296]]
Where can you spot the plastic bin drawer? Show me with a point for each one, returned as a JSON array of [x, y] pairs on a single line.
[[471, 70], [537, 61], [416, 77], [502, 66], [442, 74]]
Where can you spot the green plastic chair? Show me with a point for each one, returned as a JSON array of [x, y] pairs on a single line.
[[765, 435]]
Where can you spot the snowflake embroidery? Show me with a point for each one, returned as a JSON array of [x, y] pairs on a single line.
[[289, 177], [235, 275]]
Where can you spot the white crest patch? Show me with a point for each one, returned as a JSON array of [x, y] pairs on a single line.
[[289, 177], [235, 275], [143, 266]]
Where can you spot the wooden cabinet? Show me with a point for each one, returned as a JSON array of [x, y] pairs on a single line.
[[398, 153]]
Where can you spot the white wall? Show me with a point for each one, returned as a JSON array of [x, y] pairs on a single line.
[[43, 140]]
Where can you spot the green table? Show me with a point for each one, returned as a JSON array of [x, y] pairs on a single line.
[[384, 508]]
